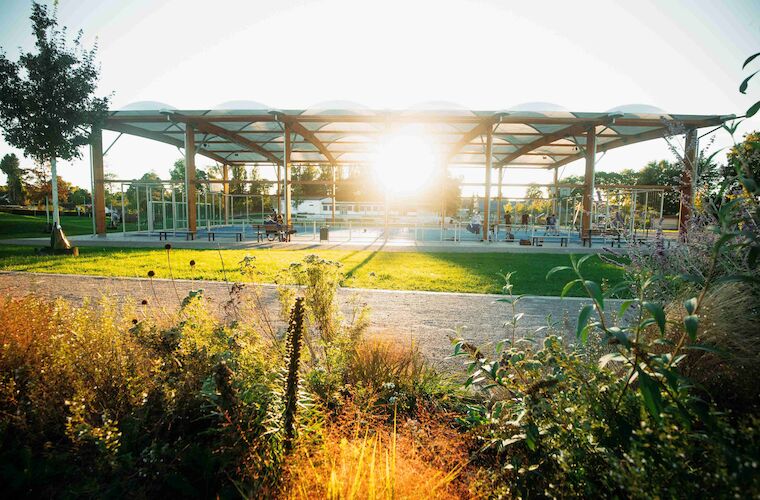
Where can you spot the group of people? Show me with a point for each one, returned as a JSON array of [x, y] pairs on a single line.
[[282, 231], [274, 218], [476, 223]]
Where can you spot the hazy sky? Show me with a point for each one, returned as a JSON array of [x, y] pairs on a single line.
[[681, 56]]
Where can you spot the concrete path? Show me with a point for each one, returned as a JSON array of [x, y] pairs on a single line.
[[119, 240], [428, 318]]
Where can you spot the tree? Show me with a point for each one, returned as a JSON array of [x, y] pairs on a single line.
[[47, 101], [40, 186], [744, 158], [534, 192], [11, 168], [663, 173], [177, 173], [308, 173], [79, 196], [156, 192]]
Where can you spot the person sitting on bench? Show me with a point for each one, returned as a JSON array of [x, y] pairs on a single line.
[[475, 223]]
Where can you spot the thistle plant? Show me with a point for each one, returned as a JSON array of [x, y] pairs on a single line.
[[293, 358]]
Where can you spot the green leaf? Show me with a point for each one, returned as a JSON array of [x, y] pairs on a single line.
[[595, 292], [556, 270], [531, 436], [657, 313], [690, 305], [624, 306], [707, 348], [750, 59], [607, 358], [584, 259], [651, 394], [568, 286], [743, 86], [753, 109], [582, 320], [691, 322]]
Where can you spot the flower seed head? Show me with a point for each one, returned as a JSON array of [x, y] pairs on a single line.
[[134, 321], [151, 274], [192, 263], [144, 302], [168, 246]]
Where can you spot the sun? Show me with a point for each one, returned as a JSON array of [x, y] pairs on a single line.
[[405, 162]]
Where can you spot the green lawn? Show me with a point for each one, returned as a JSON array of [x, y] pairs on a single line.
[[445, 272], [30, 226]]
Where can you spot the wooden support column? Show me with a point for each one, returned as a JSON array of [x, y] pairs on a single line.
[[500, 208], [487, 198], [190, 176], [98, 178], [333, 194], [588, 181], [688, 175], [555, 204], [279, 187], [226, 191], [287, 175]]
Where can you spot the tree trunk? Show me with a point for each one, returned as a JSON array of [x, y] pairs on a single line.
[[54, 189]]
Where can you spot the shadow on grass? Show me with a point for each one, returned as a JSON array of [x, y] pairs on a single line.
[[351, 272]]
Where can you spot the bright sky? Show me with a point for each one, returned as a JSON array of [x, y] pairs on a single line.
[[681, 56]]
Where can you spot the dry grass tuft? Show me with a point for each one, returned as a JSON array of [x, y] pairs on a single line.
[[362, 458], [729, 323]]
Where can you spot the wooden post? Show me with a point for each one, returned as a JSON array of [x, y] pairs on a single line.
[[588, 181], [487, 198], [333, 194], [555, 204], [99, 191], [279, 188], [226, 192], [190, 176], [286, 164], [687, 180], [500, 208]]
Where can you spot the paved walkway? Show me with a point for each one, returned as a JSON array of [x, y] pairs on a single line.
[[428, 318], [119, 240]]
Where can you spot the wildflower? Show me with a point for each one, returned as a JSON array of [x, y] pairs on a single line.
[[151, 273], [192, 263], [168, 246]]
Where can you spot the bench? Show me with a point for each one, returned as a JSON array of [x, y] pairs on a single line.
[[592, 234], [272, 232], [164, 235], [212, 235], [538, 241]]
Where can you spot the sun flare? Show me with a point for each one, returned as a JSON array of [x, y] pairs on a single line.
[[405, 162]]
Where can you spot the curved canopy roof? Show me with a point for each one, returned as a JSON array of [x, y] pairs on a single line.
[[523, 138]]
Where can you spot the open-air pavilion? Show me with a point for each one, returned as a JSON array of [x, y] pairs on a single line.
[[491, 142]]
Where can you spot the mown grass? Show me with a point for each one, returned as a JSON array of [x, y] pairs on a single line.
[[440, 272], [33, 226]]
